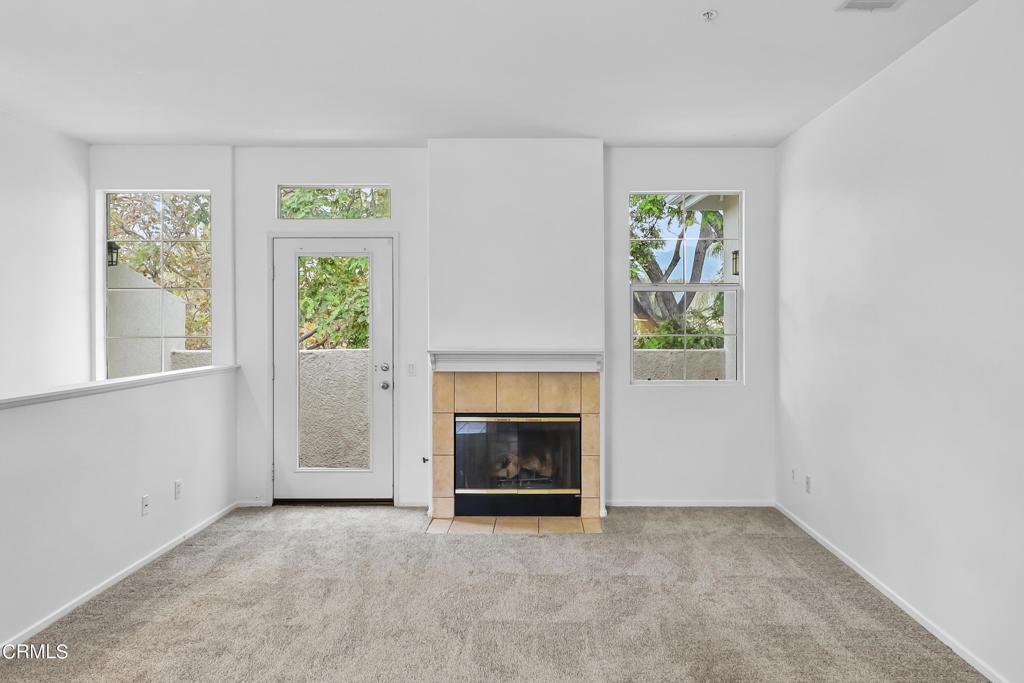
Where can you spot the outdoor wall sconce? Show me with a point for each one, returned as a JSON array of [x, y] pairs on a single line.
[[736, 262], [112, 250]]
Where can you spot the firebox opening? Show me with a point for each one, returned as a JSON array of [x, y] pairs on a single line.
[[514, 464]]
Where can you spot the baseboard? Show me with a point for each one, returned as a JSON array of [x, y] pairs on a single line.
[[252, 504], [130, 569], [714, 503], [933, 628]]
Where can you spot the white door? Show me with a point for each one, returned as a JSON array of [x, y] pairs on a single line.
[[333, 408]]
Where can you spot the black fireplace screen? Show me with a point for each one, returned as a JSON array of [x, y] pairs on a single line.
[[517, 454]]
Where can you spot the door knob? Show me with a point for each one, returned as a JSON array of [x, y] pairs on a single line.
[[384, 367], [385, 385]]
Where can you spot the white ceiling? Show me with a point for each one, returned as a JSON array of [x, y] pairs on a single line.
[[634, 72]]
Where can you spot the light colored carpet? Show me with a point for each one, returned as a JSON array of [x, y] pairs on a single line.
[[336, 593]]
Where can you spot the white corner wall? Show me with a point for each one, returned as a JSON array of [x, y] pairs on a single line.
[[258, 172], [72, 476], [44, 263], [516, 257], [692, 445], [900, 326]]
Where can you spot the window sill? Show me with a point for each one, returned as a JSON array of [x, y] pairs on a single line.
[[107, 385], [687, 383]]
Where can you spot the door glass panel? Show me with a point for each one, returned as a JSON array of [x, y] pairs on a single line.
[[334, 362]]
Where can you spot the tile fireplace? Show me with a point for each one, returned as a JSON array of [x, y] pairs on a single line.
[[516, 443]]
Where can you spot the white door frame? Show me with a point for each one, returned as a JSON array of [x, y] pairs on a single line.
[[396, 386]]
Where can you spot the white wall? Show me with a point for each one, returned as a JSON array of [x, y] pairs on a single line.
[[72, 476], [171, 167], [674, 445], [516, 258], [44, 263], [900, 326], [258, 173]]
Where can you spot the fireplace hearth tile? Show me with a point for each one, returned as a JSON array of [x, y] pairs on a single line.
[[561, 525], [591, 525], [439, 526], [472, 525], [516, 525]]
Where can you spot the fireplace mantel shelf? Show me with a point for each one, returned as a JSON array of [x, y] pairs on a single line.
[[513, 360]]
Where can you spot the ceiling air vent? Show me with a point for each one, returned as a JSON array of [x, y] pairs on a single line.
[[870, 5]]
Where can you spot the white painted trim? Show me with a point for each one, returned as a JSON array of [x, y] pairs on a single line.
[[983, 668], [713, 503], [515, 360], [106, 385], [104, 585]]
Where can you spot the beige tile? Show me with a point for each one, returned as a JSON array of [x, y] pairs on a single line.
[[590, 392], [444, 476], [444, 434], [591, 426], [517, 392], [439, 526], [591, 525], [444, 508], [475, 391], [561, 525], [591, 476], [472, 525], [559, 392], [444, 392], [516, 525], [590, 507]]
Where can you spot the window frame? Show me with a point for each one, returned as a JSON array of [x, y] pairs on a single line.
[[101, 316], [739, 288]]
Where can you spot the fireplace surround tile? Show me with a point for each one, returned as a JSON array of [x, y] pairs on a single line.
[[559, 392], [590, 507], [591, 476], [590, 392], [475, 391], [444, 434], [444, 392], [517, 392], [444, 507], [444, 476], [591, 427]]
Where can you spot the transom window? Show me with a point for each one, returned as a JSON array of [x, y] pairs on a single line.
[[685, 286], [333, 202], [158, 282]]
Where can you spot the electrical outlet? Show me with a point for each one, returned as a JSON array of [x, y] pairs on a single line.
[[145, 505], [807, 483], [177, 489], [411, 369]]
